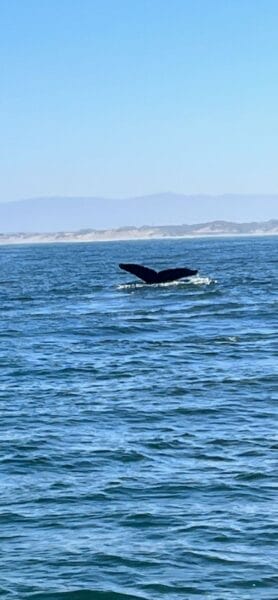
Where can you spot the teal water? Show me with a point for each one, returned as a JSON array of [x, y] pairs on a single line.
[[138, 430]]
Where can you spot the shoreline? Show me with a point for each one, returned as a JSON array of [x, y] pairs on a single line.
[[50, 239]]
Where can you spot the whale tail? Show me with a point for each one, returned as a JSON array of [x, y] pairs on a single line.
[[151, 276]]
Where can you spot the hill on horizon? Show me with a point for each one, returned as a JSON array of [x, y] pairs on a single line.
[[55, 214]]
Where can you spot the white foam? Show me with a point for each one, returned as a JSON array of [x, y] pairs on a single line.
[[196, 280]]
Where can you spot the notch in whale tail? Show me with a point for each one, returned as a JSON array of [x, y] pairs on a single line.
[[151, 276]]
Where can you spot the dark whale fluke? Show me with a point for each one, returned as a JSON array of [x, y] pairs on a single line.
[[152, 276]]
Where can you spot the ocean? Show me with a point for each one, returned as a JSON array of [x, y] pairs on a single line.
[[138, 430]]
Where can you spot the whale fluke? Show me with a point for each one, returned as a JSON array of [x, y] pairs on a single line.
[[151, 276]]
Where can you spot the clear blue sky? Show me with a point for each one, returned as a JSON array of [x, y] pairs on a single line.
[[126, 97]]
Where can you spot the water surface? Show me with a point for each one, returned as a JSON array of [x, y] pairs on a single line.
[[138, 431]]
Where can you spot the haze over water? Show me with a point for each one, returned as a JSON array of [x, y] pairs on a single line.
[[138, 424]]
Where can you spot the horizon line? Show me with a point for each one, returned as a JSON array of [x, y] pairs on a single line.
[[144, 195]]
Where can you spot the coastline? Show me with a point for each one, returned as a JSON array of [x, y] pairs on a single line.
[[25, 239]]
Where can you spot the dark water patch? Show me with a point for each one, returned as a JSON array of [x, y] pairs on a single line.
[[82, 594]]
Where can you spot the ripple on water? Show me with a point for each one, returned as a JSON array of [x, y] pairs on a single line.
[[138, 423]]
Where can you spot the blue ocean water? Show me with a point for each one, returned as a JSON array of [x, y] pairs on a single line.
[[138, 430]]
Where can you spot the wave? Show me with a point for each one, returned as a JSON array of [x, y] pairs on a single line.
[[83, 594]]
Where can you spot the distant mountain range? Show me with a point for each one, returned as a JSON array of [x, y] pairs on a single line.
[[42, 215], [214, 228]]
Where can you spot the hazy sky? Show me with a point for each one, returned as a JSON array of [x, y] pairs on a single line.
[[127, 97]]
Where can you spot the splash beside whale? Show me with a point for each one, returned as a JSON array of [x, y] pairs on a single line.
[[150, 276]]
